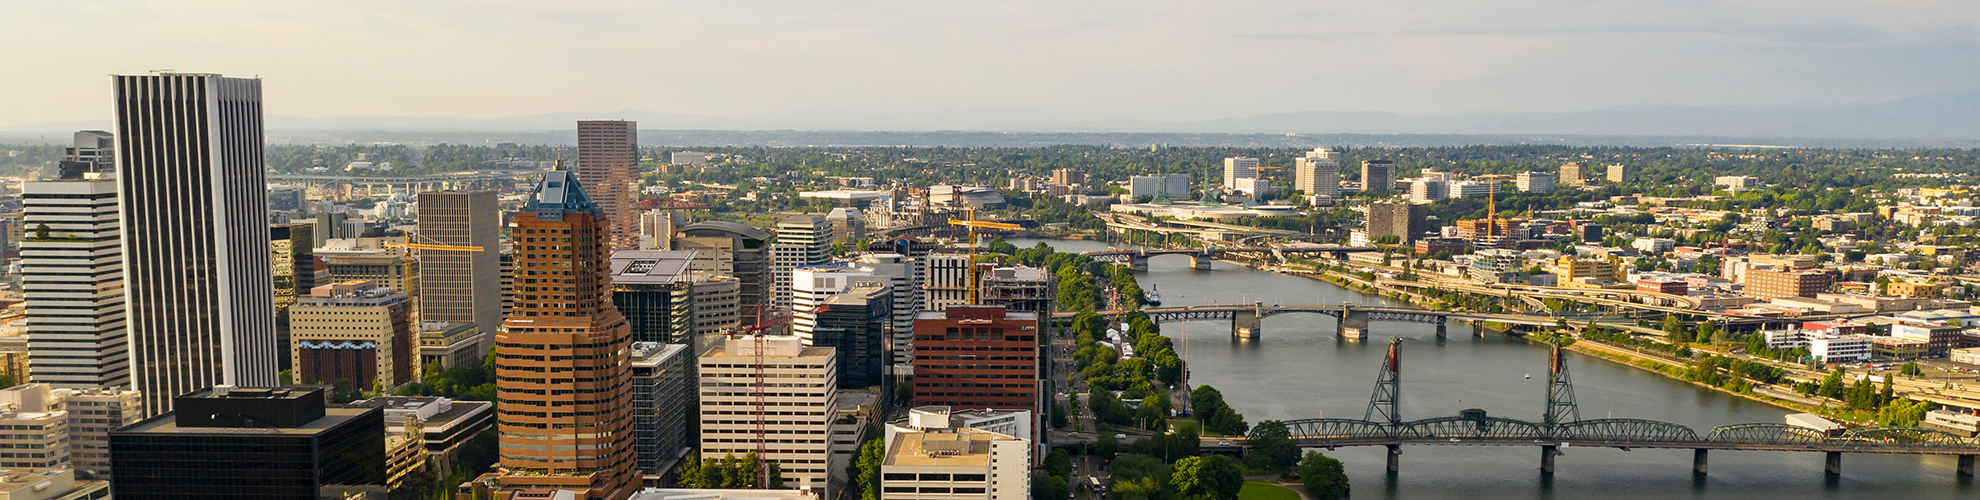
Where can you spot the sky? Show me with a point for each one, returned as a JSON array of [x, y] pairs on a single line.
[[1162, 61]]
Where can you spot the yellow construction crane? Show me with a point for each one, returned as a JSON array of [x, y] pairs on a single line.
[[974, 288], [408, 244]]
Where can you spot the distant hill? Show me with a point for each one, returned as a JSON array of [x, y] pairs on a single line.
[[1949, 118]]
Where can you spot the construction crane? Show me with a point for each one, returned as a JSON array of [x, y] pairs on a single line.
[[757, 332], [975, 291], [406, 242]]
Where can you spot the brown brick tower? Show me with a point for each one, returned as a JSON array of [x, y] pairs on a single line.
[[608, 159], [564, 380]]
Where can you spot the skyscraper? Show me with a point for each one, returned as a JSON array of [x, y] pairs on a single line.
[[75, 297], [1318, 173], [1378, 176], [567, 423], [608, 160], [293, 261], [1239, 168], [199, 289], [461, 286], [802, 240]]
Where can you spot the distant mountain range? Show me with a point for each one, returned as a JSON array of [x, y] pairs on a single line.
[[1947, 118]]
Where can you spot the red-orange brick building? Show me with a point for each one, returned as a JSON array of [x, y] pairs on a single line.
[[561, 358]]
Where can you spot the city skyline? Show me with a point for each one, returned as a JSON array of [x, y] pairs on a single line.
[[1006, 63]]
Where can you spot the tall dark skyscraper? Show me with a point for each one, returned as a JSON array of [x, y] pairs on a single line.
[[608, 160], [563, 376], [190, 174]]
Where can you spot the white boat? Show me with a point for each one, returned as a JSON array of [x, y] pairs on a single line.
[[1352, 333]]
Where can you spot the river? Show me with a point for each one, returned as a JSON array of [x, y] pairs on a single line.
[[1302, 369]]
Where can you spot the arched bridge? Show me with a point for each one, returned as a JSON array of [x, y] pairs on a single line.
[[1199, 258], [1561, 426]]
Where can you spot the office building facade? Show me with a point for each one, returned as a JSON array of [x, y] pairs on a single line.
[[1239, 168], [1319, 172], [281, 443], [795, 436], [72, 283], [855, 322], [563, 377], [193, 204], [353, 335], [461, 286], [653, 291], [1378, 176], [608, 160], [802, 240], [977, 357], [663, 393], [1536, 182]]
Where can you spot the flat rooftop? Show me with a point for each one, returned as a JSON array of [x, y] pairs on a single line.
[[964, 448], [167, 424]]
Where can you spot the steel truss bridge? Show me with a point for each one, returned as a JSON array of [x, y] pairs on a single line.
[[1199, 258], [1562, 427], [1245, 318]]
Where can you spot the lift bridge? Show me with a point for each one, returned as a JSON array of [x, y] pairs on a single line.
[[1562, 427]]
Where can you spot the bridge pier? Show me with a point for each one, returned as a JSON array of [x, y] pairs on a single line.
[[1138, 263], [1441, 320], [1834, 463], [1247, 325], [1547, 454], [1966, 465], [1698, 461], [1200, 261], [1395, 458]]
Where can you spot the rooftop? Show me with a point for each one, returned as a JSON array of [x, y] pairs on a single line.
[[650, 267], [166, 424], [959, 448]]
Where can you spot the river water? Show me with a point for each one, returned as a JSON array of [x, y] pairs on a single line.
[[1302, 369]]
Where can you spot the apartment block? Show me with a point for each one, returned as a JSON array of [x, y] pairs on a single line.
[[353, 335]]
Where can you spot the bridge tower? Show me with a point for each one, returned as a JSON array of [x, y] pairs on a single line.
[[1560, 391], [1388, 388], [1388, 395]]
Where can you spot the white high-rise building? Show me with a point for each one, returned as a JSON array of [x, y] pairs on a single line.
[[1319, 172], [1239, 168], [1468, 189], [802, 406], [901, 272], [811, 285], [802, 240], [1536, 182], [193, 203], [940, 456], [72, 280]]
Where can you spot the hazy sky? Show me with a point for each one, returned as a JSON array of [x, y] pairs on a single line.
[[1078, 60]]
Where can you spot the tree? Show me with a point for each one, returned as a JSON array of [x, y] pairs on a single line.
[[1045, 486], [1058, 416], [1108, 447], [776, 476], [1674, 328], [1323, 477], [41, 231], [1272, 447], [1215, 477], [1059, 463], [864, 472]]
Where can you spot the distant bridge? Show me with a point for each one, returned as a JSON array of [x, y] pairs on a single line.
[[1246, 324], [451, 180], [1200, 258]]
